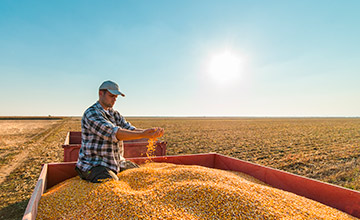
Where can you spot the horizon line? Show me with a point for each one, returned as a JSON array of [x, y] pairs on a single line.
[[190, 116]]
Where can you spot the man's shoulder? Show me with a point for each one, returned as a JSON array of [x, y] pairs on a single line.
[[93, 106], [93, 109]]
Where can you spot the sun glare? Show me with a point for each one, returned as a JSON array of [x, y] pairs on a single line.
[[225, 67]]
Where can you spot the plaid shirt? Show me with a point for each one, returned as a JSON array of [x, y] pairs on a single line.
[[99, 145]]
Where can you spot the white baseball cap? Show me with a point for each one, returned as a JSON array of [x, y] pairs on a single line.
[[112, 87]]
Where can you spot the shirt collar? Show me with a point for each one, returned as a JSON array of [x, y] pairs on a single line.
[[99, 106]]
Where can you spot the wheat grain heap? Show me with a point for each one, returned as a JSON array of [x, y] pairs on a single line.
[[168, 191]]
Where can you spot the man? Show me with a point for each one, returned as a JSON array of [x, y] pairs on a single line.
[[103, 132]]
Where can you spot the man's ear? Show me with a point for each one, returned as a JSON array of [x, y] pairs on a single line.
[[101, 93]]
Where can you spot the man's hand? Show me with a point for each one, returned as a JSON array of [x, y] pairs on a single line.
[[153, 132]]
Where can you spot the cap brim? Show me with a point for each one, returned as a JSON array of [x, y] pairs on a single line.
[[116, 92]]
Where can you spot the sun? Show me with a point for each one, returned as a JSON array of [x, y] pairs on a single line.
[[225, 67]]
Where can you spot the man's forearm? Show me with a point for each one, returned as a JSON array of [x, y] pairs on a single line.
[[124, 134]]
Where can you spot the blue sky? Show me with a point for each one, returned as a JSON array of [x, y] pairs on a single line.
[[298, 58]]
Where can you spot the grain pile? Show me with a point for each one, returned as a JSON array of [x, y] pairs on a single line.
[[168, 191]]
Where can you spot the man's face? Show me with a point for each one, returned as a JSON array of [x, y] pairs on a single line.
[[107, 99]]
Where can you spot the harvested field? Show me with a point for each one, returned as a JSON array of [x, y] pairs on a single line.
[[36, 142], [15, 133], [326, 149]]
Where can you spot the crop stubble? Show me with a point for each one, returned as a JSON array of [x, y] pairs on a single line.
[[42, 140], [326, 149]]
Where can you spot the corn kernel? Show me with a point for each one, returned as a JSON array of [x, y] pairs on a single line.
[[169, 191]]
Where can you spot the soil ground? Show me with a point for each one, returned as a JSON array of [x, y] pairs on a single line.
[[326, 149]]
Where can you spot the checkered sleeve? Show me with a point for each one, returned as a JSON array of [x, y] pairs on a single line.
[[121, 122], [97, 124]]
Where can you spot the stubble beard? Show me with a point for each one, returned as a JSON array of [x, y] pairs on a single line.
[[109, 105]]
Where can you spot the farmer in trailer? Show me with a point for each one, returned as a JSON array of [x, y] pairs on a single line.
[[103, 132]]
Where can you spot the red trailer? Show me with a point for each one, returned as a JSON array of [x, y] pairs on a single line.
[[132, 148], [334, 196]]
